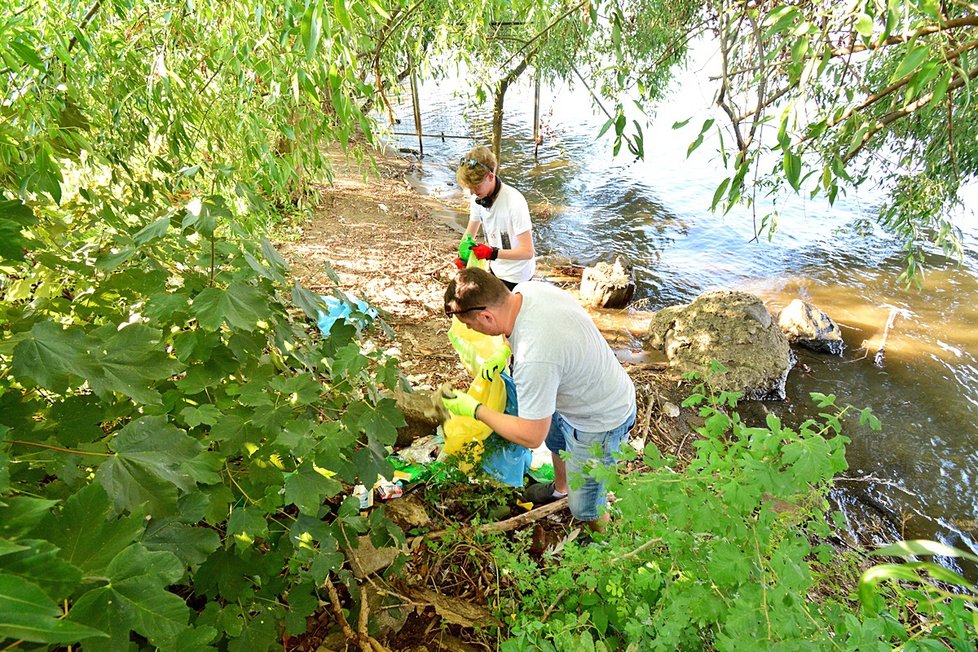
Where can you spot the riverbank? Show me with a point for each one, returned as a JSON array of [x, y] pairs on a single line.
[[394, 247]]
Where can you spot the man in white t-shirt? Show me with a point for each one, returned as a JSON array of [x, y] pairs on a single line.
[[504, 216], [573, 394]]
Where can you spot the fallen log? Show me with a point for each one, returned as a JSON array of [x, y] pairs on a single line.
[[501, 526]]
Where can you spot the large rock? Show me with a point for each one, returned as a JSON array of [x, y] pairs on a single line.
[[607, 286], [808, 326], [423, 413], [733, 328]]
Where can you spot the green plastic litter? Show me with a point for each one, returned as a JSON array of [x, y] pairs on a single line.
[[544, 474], [435, 472]]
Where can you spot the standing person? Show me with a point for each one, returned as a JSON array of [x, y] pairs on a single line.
[[504, 216], [572, 391]]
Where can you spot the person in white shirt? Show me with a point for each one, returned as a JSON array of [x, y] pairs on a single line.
[[504, 216], [573, 394]]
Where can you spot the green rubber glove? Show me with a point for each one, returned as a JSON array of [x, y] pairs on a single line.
[[465, 247], [459, 403], [496, 363]]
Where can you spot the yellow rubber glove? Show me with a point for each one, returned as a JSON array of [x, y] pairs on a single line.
[[459, 403], [495, 363]]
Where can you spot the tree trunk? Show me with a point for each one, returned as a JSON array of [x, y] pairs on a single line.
[[497, 107]]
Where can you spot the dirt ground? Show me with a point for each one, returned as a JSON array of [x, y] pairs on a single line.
[[395, 247]]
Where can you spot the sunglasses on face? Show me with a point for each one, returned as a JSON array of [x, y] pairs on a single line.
[[449, 313], [472, 164]]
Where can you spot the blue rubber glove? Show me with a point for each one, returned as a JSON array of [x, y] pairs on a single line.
[[496, 363], [459, 403]]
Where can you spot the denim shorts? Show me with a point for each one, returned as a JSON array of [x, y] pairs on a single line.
[[588, 501]]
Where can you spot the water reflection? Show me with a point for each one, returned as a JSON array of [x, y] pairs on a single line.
[[919, 472]]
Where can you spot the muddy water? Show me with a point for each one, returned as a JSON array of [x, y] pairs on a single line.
[[918, 476]]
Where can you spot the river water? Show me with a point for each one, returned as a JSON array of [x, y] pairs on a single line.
[[919, 473]]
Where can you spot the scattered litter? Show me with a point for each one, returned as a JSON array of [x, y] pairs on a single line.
[[670, 410], [387, 490], [423, 450], [365, 497], [542, 474], [526, 506], [342, 309]]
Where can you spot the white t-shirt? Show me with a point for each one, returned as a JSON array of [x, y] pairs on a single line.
[[508, 218], [562, 363]]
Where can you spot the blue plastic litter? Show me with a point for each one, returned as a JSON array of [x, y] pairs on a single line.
[[337, 309], [507, 462]]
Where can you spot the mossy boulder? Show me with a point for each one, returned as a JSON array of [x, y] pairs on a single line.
[[733, 328]]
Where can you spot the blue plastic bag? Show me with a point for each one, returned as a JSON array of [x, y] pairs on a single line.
[[507, 462], [337, 309]]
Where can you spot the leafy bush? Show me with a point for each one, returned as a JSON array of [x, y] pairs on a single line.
[[717, 556], [175, 438]]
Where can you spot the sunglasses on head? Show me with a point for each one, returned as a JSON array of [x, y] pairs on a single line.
[[449, 313], [472, 164]]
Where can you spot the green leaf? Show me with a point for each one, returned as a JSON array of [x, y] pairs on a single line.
[[342, 14], [380, 10], [864, 25], [129, 361], [21, 514], [307, 487], [310, 302], [923, 547], [136, 600], [699, 138], [49, 356], [28, 614], [26, 54], [14, 217], [311, 29], [780, 19], [910, 62], [191, 545], [301, 389], [241, 306], [149, 466], [940, 90], [40, 564], [791, 164], [719, 192], [87, 531], [152, 231]]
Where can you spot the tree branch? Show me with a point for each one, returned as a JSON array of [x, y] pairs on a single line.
[[88, 17], [872, 99], [907, 110], [954, 23]]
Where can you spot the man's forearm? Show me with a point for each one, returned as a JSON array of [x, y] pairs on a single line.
[[525, 432]]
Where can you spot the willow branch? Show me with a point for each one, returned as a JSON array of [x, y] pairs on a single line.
[[546, 30], [87, 19], [762, 84], [954, 23], [872, 99], [908, 110], [725, 86]]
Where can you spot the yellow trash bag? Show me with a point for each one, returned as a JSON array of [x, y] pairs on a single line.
[[464, 435]]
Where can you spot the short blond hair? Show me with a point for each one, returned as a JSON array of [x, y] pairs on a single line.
[[470, 175]]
